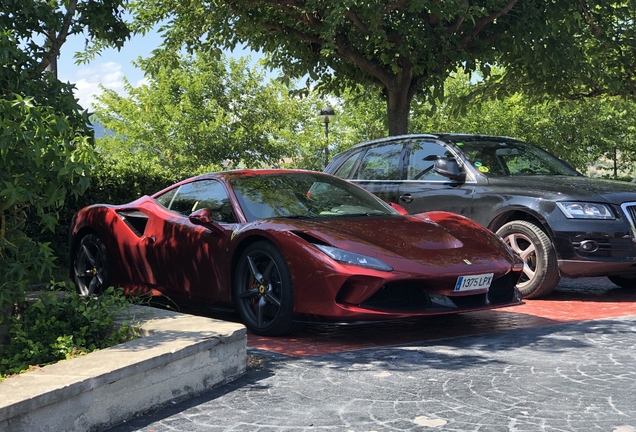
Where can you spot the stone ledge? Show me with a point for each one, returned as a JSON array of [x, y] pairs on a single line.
[[177, 356]]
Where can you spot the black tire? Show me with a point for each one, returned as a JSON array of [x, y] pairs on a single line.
[[541, 269], [624, 281], [90, 266], [263, 291]]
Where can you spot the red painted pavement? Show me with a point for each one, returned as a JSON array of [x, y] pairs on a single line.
[[571, 301]]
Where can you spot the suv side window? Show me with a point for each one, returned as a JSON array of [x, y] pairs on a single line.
[[422, 160], [200, 194], [344, 171], [381, 163]]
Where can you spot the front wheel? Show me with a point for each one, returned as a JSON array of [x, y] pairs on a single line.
[[540, 267], [624, 281], [90, 266], [263, 290]]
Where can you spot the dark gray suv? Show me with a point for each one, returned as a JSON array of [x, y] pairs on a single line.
[[560, 222]]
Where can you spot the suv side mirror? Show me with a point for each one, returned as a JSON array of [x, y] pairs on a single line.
[[205, 217], [448, 167]]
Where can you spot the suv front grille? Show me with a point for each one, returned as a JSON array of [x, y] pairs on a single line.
[[629, 209]]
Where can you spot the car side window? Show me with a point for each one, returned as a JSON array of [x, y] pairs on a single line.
[[166, 198], [381, 163], [200, 194], [422, 159], [344, 171]]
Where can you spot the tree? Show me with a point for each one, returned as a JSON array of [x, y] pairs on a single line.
[[588, 52], [588, 133], [582, 132], [404, 47], [200, 113], [45, 138]]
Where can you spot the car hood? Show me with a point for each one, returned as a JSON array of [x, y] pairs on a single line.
[[563, 188], [415, 238]]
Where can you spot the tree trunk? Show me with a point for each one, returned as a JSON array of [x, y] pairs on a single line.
[[398, 103]]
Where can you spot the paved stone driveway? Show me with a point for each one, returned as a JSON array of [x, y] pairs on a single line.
[[570, 376]]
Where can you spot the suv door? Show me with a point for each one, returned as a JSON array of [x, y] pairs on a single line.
[[424, 190]]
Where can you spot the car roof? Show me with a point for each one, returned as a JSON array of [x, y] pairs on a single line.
[[254, 172], [230, 174], [437, 136], [237, 173]]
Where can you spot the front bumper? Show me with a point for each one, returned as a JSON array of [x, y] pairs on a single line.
[[595, 247]]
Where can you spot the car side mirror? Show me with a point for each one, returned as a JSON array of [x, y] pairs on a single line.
[[449, 167], [205, 217]]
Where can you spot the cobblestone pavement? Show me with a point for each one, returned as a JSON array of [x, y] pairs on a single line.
[[557, 375]]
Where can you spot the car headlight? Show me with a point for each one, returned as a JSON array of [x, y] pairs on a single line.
[[353, 258], [583, 210]]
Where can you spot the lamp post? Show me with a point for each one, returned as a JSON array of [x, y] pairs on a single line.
[[326, 115]]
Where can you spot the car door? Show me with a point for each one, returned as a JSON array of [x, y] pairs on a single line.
[[425, 190], [185, 257]]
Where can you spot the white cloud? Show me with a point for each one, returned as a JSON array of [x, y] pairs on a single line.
[[87, 81]]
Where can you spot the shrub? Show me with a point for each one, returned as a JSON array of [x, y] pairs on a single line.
[[60, 324], [111, 183]]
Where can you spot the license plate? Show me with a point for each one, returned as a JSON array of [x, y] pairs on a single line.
[[475, 282]]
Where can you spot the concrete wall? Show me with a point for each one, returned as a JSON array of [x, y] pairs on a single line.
[[178, 356]]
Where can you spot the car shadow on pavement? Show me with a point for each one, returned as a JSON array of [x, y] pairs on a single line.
[[573, 300]]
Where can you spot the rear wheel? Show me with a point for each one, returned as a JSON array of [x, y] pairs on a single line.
[[624, 281], [263, 290], [91, 267], [540, 267]]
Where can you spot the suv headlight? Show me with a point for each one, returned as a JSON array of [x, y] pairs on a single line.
[[353, 258], [583, 210]]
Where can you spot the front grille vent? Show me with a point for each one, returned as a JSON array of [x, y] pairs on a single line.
[[502, 290], [404, 296], [411, 296]]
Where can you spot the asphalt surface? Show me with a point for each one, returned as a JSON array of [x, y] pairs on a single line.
[[572, 376]]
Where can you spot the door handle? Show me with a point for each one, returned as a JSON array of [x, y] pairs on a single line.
[[150, 239], [407, 198]]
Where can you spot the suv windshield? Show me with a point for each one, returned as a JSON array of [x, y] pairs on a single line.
[[512, 158], [303, 195]]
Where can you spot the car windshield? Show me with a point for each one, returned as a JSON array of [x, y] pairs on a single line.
[[512, 158], [304, 195]]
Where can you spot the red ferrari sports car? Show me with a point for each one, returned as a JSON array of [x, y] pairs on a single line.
[[289, 246]]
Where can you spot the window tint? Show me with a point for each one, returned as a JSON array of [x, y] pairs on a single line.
[[197, 195], [422, 160], [381, 163], [345, 169]]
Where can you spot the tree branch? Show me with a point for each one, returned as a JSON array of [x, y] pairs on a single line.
[[358, 22], [368, 66], [288, 30], [483, 22], [586, 13], [455, 27], [393, 6], [57, 42]]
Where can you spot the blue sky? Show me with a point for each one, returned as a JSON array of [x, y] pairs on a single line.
[[108, 69], [111, 67]]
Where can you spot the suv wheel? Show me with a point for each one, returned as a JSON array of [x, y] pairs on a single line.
[[540, 269]]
